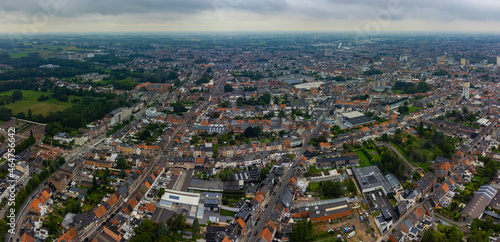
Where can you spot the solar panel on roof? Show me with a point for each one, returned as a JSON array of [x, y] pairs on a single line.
[[173, 197]]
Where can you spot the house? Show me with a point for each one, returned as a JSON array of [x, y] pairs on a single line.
[[81, 139], [63, 138], [339, 162], [69, 236]]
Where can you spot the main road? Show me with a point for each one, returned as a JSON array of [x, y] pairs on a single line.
[[273, 199]]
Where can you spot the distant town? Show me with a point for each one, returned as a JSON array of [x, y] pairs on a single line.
[[250, 137]]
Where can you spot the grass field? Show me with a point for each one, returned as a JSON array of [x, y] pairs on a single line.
[[363, 160], [30, 101]]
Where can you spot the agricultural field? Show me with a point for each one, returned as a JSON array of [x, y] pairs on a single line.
[[43, 49], [30, 101]]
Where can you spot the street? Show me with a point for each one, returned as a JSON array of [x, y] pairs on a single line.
[[280, 189]]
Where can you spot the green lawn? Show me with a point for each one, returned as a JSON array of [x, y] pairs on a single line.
[[412, 109], [314, 186], [96, 196], [363, 160], [87, 207], [30, 101], [227, 213], [19, 54]]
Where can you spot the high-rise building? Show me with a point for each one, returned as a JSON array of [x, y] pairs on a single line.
[[498, 60], [466, 90], [464, 62]]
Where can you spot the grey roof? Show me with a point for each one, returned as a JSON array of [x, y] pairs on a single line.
[[481, 199], [286, 198], [391, 178], [123, 190], [206, 185], [370, 177]]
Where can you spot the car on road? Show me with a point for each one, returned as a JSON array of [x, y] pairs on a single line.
[[258, 219], [267, 205], [255, 233], [249, 234], [274, 193], [279, 184]]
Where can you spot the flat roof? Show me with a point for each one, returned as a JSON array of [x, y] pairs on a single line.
[[188, 198], [353, 114], [370, 177], [359, 120], [323, 209]]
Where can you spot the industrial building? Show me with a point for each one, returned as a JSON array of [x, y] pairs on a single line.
[[370, 179], [478, 203], [355, 118], [322, 210]]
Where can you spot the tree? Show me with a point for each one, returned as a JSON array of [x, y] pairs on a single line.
[[330, 189], [122, 173], [196, 225], [30, 115], [194, 139], [161, 192], [228, 88], [398, 139], [121, 163], [21, 115], [263, 173], [76, 207], [351, 187], [177, 222], [421, 129], [282, 114], [17, 95], [2, 138], [144, 135], [162, 230], [94, 183], [385, 137]]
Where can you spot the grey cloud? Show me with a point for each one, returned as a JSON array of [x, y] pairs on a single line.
[[437, 10]]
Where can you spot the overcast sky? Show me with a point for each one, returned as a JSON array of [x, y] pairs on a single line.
[[248, 15]]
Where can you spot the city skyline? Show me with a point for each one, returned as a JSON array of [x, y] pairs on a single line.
[[261, 15]]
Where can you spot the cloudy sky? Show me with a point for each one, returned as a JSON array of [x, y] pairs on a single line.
[[18, 16]]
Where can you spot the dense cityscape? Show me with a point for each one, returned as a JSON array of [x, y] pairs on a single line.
[[250, 137]]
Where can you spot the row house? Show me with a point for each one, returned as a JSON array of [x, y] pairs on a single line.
[[180, 162], [99, 164]]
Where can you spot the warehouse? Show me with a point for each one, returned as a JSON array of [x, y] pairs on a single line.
[[322, 210]]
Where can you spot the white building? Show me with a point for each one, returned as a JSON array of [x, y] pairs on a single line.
[[151, 112]]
